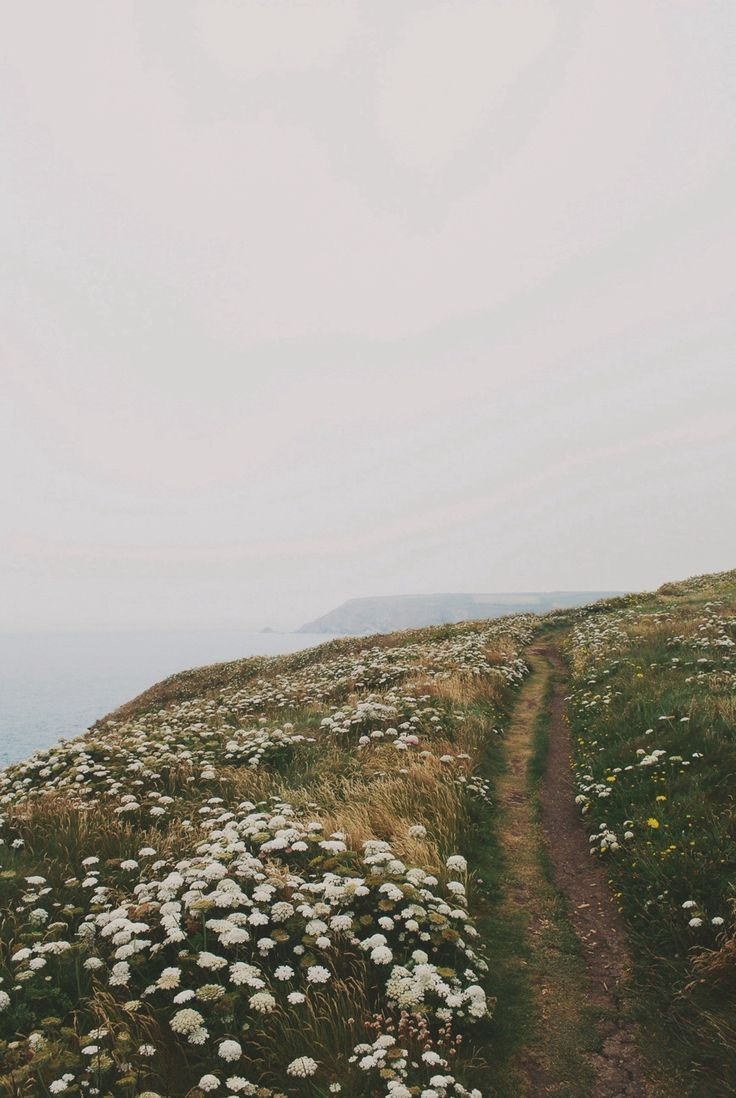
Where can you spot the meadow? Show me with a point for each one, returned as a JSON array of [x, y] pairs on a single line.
[[291, 876], [261, 888], [653, 716]]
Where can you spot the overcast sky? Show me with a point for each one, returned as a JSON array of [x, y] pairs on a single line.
[[305, 301]]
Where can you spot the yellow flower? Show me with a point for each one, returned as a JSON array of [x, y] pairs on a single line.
[[661, 797], [652, 822]]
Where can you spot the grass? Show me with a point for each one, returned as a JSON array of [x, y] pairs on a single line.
[[342, 783], [653, 725], [367, 758]]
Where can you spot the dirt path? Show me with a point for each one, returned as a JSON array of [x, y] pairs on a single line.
[[592, 911], [581, 1043]]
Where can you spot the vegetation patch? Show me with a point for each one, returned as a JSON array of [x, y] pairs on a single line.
[[653, 712], [262, 888]]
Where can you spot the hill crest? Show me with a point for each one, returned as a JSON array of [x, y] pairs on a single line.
[[387, 613]]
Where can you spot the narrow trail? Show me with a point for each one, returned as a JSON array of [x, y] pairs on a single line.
[[592, 911], [581, 1044]]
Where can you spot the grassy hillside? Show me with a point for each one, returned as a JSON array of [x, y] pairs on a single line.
[[262, 883], [653, 713], [291, 876]]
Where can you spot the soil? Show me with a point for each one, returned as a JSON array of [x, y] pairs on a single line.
[[592, 910], [585, 1041]]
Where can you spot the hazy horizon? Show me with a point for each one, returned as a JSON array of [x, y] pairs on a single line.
[[311, 302], [265, 627]]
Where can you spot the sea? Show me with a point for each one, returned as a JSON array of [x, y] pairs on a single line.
[[55, 685]]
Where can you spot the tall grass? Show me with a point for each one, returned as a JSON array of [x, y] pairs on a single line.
[[653, 717]]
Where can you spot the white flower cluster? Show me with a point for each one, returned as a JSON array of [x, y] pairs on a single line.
[[398, 718], [276, 921], [403, 1075]]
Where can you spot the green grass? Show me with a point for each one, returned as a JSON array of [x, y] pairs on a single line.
[[511, 1024], [670, 656]]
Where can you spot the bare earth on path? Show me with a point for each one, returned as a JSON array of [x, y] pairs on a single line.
[[592, 910], [582, 1042]]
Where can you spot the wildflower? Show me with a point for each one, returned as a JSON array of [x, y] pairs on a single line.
[[211, 961], [186, 1021], [382, 955], [208, 1082], [229, 1050], [652, 822], [263, 1002], [210, 993], [169, 978], [60, 1085], [302, 1067], [318, 974], [457, 863], [120, 973], [243, 973]]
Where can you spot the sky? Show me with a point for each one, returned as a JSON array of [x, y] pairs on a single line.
[[303, 301]]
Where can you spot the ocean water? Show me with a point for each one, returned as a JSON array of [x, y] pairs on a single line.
[[58, 684]]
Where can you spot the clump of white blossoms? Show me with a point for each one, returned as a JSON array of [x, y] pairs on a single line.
[[457, 864], [187, 1022], [302, 1067]]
